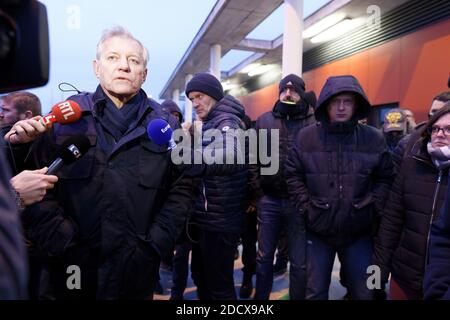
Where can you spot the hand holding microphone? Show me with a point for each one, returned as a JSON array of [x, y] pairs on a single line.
[[33, 185], [71, 150], [27, 130], [160, 132]]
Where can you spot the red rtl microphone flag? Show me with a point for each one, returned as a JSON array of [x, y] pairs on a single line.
[[64, 112]]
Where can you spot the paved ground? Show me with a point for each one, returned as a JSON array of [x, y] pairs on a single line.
[[279, 291]]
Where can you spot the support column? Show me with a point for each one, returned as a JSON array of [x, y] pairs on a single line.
[[176, 96], [188, 103], [292, 38], [214, 60]]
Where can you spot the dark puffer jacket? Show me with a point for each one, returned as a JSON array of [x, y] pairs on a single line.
[[436, 283], [417, 193], [288, 126], [221, 202], [339, 174]]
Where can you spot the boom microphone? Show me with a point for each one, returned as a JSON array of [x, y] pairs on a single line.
[[71, 150], [160, 132]]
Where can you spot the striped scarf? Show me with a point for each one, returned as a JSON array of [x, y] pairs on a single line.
[[440, 156]]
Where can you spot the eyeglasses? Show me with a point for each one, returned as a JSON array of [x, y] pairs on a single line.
[[435, 130]]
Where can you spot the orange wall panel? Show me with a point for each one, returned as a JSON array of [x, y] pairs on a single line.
[[425, 64], [384, 73], [260, 101], [359, 67], [308, 77]]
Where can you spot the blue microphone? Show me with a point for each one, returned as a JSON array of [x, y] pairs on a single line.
[[160, 132]]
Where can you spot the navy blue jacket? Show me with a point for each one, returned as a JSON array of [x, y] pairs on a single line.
[[288, 126], [221, 203], [339, 174], [437, 275], [117, 209], [16, 154], [13, 261]]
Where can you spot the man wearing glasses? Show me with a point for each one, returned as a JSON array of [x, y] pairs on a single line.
[[414, 203]]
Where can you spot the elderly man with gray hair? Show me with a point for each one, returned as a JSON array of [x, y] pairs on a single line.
[[118, 209]]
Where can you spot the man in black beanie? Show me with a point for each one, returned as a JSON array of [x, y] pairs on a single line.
[[291, 112], [208, 92], [220, 205]]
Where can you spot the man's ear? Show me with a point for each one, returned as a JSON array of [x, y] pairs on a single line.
[[28, 114], [145, 75], [95, 67]]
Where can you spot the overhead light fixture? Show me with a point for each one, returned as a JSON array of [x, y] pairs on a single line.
[[322, 25], [338, 30], [260, 70], [249, 67], [227, 85]]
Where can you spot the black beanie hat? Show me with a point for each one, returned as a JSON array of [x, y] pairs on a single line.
[[294, 82], [207, 84]]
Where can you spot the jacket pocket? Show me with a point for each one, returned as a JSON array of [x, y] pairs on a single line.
[[153, 165], [140, 271], [363, 214], [318, 215], [363, 202]]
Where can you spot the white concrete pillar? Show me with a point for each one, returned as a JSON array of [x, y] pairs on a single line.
[[176, 96], [188, 103], [292, 37], [214, 60]]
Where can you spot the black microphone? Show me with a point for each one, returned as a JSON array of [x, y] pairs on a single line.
[[71, 150]]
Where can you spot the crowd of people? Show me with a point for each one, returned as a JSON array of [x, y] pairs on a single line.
[[373, 197]]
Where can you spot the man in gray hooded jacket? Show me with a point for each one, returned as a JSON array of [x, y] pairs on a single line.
[[338, 175]]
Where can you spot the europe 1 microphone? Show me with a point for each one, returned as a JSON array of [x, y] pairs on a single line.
[[160, 132]]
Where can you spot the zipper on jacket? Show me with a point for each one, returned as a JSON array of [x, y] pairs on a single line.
[[204, 195], [436, 192], [339, 159], [433, 214]]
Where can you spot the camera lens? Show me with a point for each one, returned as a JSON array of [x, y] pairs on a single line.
[[8, 36]]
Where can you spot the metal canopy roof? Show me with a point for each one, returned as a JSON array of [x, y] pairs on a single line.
[[231, 20], [227, 24]]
